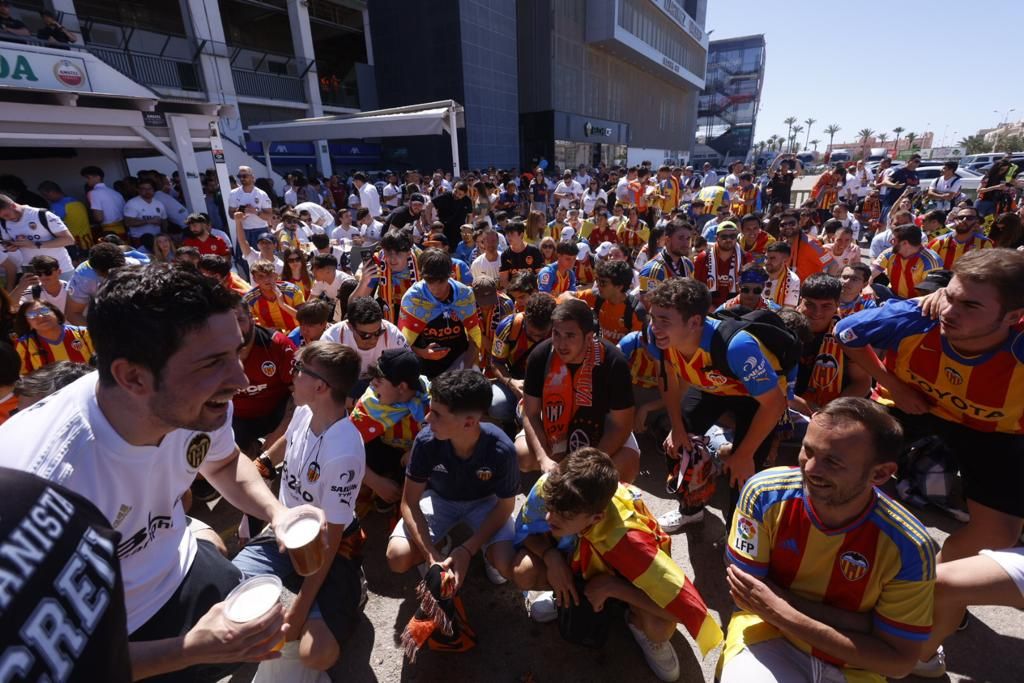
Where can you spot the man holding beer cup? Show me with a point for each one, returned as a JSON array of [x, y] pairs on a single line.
[[324, 463]]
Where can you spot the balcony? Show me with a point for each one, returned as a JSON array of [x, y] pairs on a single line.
[[268, 76], [165, 62]]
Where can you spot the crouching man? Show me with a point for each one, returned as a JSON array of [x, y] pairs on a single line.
[[583, 534]]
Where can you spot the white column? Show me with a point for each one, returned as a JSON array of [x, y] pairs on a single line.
[[302, 44], [188, 167], [453, 128], [203, 23]]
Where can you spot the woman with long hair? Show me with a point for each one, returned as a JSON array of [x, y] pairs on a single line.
[[535, 227], [547, 249], [1007, 231], [44, 338], [295, 270], [653, 247], [163, 249]]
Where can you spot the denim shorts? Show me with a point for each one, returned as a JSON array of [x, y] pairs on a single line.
[[443, 515]]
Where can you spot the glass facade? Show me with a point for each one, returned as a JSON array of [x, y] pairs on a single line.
[[570, 154], [728, 105]]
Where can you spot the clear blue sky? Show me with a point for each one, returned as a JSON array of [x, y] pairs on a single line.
[[881, 64]]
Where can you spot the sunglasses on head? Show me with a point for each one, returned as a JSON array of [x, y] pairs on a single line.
[[751, 290]]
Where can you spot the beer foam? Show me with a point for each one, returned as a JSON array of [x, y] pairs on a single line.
[[301, 531], [253, 602]]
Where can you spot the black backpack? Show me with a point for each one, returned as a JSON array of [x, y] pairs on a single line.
[[765, 326]]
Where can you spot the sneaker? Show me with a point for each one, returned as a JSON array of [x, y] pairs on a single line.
[[931, 668], [673, 521], [540, 605], [661, 657], [493, 575]]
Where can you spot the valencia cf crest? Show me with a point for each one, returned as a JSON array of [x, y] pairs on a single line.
[[554, 410], [484, 474], [954, 377], [32, 226], [716, 378], [197, 449], [529, 260], [313, 472], [853, 565], [269, 368], [76, 344], [828, 366]]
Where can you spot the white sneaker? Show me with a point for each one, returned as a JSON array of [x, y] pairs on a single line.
[[540, 605], [493, 575], [661, 657], [673, 521], [931, 668]]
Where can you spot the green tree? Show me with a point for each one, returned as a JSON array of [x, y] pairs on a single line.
[[809, 122], [793, 146], [831, 132], [898, 130], [789, 131], [864, 134], [974, 144], [882, 138], [815, 142], [911, 137]]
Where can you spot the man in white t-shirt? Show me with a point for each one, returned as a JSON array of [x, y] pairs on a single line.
[[318, 215], [264, 251], [26, 231], [324, 462], [392, 193], [327, 279], [252, 203], [132, 438], [46, 275], [366, 331], [369, 198], [489, 261], [106, 206], [567, 190], [370, 229], [176, 212], [144, 215]]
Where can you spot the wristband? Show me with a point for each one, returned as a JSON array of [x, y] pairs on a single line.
[[265, 465]]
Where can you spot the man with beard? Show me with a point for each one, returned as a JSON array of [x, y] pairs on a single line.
[[823, 373], [719, 265], [132, 437], [200, 237], [407, 214], [853, 571], [567, 402], [753, 280], [959, 377], [453, 208], [966, 235], [783, 286], [853, 298], [673, 260], [806, 255]]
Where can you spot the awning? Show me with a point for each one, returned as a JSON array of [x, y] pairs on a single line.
[[431, 118]]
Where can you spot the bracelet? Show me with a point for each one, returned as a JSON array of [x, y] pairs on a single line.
[[265, 465]]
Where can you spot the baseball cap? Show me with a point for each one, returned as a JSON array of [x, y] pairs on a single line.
[[726, 225], [264, 237], [937, 279], [568, 233], [604, 249], [486, 294], [582, 251], [397, 366], [417, 197]]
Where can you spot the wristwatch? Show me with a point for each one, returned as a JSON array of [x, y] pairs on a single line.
[[265, 465]]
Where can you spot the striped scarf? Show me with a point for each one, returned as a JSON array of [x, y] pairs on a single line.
[[419, 307], [374, 419], [391, 287], [826, 382], [711, 259], [778, 289]]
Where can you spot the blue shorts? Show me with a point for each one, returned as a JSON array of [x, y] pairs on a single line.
[[443, 515]]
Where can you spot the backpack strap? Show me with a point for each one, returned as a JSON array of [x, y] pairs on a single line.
[[730, 323], [44, 218]]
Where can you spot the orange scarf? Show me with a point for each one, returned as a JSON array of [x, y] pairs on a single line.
[[565, 399]]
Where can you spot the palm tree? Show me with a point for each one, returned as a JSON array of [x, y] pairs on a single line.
[[810, 122], [792, 143], [815, 143], [831, 131], [789, 122], [974, 144], [864, 134], [911, 136], [898, 130], [882, 137]]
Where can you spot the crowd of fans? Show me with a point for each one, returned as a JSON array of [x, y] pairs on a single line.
[[416, 347]]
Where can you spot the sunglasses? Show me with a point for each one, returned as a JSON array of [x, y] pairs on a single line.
[[730, 236], [299, 368], [751, 290], [367, 336], [38, 313], [547, 248], [788, 224]]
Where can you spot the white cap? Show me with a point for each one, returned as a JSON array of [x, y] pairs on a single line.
[[582, 251], [604, 249], [568, 233]]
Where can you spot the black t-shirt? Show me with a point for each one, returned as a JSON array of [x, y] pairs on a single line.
[[781, 186], [453, 213], [445, 331], [399, 218], [612, 382], [529, 259], [60, 576]]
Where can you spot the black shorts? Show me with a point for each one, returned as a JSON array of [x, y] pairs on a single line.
[[207, 582], [991, 463]]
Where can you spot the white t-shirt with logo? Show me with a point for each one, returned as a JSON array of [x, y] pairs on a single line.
[[30, 225], [391, 339], [325, 471], [482, 266], [59, 301], [66, 439], [239, 198], [331, 290], [137, 207]]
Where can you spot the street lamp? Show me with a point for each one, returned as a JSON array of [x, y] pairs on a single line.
[[1006, 117]]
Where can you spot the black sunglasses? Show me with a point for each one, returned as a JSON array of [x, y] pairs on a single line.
[[367, 336], [751, 290]]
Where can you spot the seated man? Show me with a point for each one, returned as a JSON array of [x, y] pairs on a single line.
[[854, 571], [959, 377], [387, 276], [323, 466], [559, 276], [521, 288], [823, 373], [579, 522], [461, 471], [644, 358], [783, 286], [367, 332], [439, 317], [493, 307], [673, 259], [312, 317], [514, 339], [906, 262], [389, 416], [753, 281], [853, 297], [569, 397], [616, 310], [272, 301], [327, 278]]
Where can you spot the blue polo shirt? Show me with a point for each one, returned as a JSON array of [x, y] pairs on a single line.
[[492, 470]]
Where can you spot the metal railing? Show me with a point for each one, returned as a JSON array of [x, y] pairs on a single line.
[[268, 85], [152, 69]]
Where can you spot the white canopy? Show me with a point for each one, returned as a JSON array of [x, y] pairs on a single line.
[[431, 118]]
